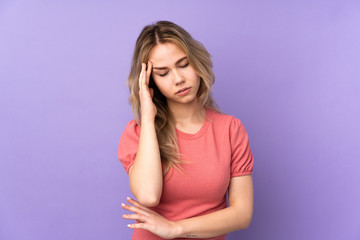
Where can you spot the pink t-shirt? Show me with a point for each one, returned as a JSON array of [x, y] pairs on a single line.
[[219, 151]]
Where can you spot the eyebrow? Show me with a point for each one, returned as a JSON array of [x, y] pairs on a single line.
[[177, 62]]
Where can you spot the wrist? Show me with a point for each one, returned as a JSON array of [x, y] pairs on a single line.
[[147, 121], [178, 229]]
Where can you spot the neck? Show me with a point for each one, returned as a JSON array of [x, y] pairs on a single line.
[[187, 113]]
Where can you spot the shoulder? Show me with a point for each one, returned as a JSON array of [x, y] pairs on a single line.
[[224, 120], [132, 129], [227, 125]]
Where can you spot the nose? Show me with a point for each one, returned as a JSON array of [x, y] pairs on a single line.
[[178, 77]]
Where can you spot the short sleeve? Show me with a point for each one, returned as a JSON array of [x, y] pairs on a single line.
[[241, 156], [128, 144]]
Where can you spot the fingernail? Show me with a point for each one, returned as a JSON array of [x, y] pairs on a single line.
[[128, 198], [123, 204], [129, 225]]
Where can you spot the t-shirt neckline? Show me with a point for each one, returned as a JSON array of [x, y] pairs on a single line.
[[201, 131]]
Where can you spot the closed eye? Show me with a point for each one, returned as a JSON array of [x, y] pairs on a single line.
[[184, 66], [164, 74]]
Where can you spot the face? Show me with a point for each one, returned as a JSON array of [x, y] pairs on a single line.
[[173, 75]]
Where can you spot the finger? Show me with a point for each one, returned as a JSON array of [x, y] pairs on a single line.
[[148, 72], [141, 75], [134, 209], [137, 217], [138, 205], [138, 225]]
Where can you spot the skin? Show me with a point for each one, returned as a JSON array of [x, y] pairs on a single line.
[[235, 217], [172, 72], [145, 175]]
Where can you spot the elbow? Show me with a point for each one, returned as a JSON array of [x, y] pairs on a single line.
[[147, 201], [246, 221], [246, 224], [147, 197]]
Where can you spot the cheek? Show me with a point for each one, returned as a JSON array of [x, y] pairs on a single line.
[[193, 75], [162, 85], [196, 78]]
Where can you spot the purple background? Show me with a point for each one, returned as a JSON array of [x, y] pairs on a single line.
[[288, 70]]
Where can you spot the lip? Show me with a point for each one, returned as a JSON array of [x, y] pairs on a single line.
[[183, 89], [183, 93]]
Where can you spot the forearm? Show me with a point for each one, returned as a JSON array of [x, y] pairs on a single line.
[[146, 173], [215, 224]]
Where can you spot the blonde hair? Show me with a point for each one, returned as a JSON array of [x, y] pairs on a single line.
[[199, 59]]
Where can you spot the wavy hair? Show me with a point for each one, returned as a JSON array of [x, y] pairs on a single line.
[[199, 58]]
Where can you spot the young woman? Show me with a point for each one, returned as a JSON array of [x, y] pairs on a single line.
[[181, 153]]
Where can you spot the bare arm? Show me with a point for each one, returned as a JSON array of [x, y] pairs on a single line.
[[235, 217], [145, 175]]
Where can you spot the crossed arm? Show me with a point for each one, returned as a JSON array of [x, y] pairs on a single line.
[[235, 217]]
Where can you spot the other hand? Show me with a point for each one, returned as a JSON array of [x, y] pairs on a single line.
[[150, 220]]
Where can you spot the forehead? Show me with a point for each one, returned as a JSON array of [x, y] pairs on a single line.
[[165, 54]]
